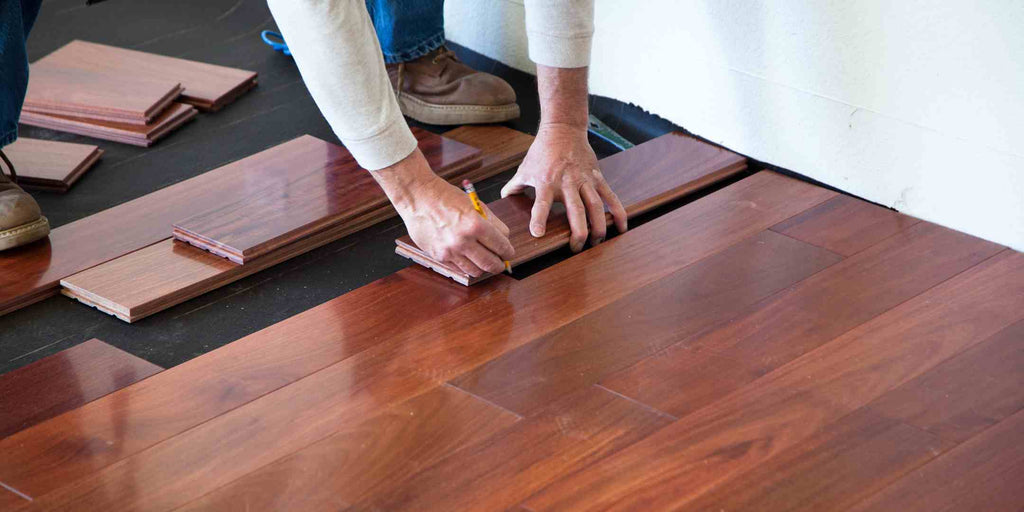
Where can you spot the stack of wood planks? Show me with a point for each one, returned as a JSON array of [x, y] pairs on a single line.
[[50, 165], [125, 95]]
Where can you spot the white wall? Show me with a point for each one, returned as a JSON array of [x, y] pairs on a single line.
[[914, 104]]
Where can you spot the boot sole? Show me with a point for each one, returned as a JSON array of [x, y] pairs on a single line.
[[456, 114], [24, 234]]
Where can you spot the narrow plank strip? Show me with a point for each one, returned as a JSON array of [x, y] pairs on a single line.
[[832, 470], [33, 272], [50, 164], [571, 433], [845, 225], [207, 86], [676, 465], [137, 135], [985, 473], [644, 177], [98, 96], [64, 381], [807, 316], [709, 292], [409, 360], [369, 455], [318, 198], [966, 394]]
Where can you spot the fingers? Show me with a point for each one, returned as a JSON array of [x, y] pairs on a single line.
[[577, 219], [612, 200], [484, 259], [595, 213], [514, 186], [465, 265], [492, 240], [541, 209], [496, 221]]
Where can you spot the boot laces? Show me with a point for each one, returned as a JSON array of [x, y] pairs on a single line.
[[10, 167], [444, 53]]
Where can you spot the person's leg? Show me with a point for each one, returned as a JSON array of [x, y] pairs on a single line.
[[407, 29]]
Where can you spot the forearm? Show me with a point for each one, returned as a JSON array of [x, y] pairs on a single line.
[[563, 96]]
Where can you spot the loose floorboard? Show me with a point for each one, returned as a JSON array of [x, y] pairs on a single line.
[[137, 135], [50, 165], [65, 381], [643, 177], [206, 86]]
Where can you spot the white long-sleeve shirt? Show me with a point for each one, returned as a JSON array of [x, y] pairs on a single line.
[[337, 52]]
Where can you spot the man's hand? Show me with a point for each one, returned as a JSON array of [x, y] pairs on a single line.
[[441, 219]]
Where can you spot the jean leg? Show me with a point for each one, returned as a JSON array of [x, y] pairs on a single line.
[[16, 20], [407, 29]]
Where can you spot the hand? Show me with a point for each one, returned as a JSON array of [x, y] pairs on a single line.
[[441, 219], [561, 166]]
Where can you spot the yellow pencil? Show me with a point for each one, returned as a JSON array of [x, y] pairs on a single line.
[[478, 206]]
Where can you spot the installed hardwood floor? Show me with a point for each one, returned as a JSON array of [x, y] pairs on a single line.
[[49, 164]]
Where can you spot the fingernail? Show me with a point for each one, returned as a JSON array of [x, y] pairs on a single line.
[[598, 241], [537, 232]]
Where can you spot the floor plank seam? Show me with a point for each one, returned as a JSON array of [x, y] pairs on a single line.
[[637, 402], [482, 399], [16, 492]]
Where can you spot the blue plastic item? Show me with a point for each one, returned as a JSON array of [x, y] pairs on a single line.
[[279, 45]]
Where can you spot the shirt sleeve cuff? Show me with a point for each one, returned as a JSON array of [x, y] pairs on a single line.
[[383, 149]]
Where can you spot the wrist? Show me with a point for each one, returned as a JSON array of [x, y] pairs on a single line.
[[403, 181]]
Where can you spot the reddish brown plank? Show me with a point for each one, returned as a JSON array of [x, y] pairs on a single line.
[[49, 164], [675, 307], [410, 361], [64, 381], [793, 323], [966, 394], [207, 86], [845, 225], [736, 434], [985, 473], [572, 433], [644, 177], [362, 458], [138, 135], [88, 94]]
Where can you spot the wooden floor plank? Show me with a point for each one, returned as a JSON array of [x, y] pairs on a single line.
[[644, 177], [985, 473], [167, 121], [49, 164], [677, 464], [675, 307], [365, 457], [966, 394], [808, 315], [845, 225], [89, 94], [410, 362], [65, 381]]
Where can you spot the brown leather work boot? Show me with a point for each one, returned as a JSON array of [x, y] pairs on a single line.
[[439, 89], [21, 221]]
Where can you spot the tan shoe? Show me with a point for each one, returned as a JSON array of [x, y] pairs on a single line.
[[439, 89], [21, 221]]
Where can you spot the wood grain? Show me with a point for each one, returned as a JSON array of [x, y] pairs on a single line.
[[157, 277], [49, 164], [65, 381], [644, 177], [137, 135], [88, 94], [365, 456], [845, 225], [800, 320], [700, 296], [677, 464], [206, 86], [313, 198]]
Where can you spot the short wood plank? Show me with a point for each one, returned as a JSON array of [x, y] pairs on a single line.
[[316, 199], [66, 380], [138, 135], [673, 467], [700, 296], [967, 394], [845, 225], [365, 455], [810, 314], [409, 360], [207, 86], [644, 177], [50, 164], [54, 89], [985, 473]]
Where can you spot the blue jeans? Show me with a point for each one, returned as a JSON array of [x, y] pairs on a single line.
[[407, 29], [16, 19]]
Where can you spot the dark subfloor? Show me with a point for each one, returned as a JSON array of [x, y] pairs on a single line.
[[221, 32]]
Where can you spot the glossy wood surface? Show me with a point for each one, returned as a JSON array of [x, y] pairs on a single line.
[[85, 93], [644, 177], [33, 272], [65, 381], [207, 86], [845, 225], [311, 198], [167, 121], [49, 164], [157, 277]]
